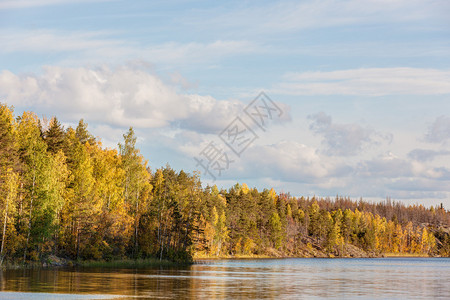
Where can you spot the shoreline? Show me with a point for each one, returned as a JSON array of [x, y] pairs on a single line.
[[154, 262], [409, 255], [383, 255], [119, 263]]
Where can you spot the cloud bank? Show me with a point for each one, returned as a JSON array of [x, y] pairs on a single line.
[[439, 131], [344, 139], [121, 97], [367, 82]]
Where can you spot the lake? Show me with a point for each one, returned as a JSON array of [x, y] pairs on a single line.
[[293, 278]]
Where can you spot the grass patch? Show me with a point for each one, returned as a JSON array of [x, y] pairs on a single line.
[[16, 266], [130, 263]]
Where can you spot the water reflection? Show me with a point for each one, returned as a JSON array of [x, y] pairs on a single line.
[[416, 278]]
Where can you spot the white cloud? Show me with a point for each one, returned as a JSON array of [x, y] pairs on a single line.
[[392, 167], [108, 135], [44, 41], [426, 154], [109, 47], [289, 161], [385, 175], [177, 79], [367, 82], [291, 16], [418, 185], [422, 196], [372, 49], [13, 4], [125, 96], [344, 139], [303, 170], [439, 131], [208, 115], [195, 52], [385, 166]]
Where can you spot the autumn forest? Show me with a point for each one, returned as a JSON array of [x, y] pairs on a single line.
[[62, 193]]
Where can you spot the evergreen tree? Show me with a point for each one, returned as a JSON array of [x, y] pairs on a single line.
[[276, 230], [54, 136], [83, 134]]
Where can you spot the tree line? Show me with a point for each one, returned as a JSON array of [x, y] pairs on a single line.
[[62, 193]]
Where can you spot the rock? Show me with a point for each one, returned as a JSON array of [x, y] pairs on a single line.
[[56, 261]]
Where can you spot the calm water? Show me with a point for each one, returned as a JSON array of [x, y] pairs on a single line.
[[384, 278]]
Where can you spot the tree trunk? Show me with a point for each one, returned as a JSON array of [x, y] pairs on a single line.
[[77, 240], [162, 245], [136, 225], [4, 232], [29, 218]]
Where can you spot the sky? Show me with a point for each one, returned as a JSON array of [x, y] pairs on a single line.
[[355, 94]]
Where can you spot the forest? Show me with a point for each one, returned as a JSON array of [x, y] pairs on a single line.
[[62, 193]]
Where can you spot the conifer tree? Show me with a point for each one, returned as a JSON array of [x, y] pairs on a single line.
[[54, 136], [83, 134]]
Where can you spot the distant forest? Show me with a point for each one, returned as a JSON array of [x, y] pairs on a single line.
[[63, 194]]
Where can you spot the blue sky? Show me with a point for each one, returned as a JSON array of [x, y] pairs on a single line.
[[364, 86]]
